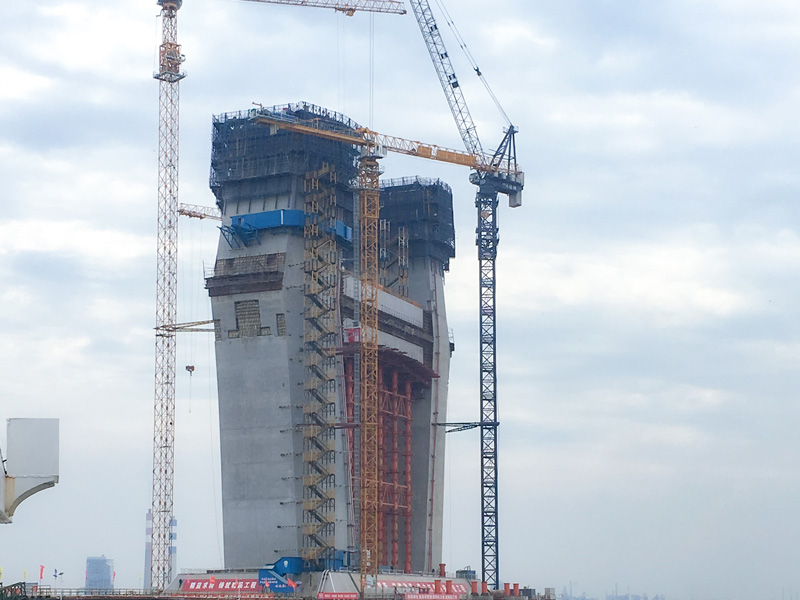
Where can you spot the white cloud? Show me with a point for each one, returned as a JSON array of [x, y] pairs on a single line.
[[21, 85], [656, 121], [518, 36], [110, 248], [673, 284], [744, 21], [676, 280], [83, 38]]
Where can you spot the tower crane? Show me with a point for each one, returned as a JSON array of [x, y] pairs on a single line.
[[490, 183], [501, 174], [169, 76]]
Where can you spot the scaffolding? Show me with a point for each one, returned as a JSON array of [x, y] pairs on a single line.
[[394, 426], [321, 263], [401, 382], [255, 168], [393, 258]]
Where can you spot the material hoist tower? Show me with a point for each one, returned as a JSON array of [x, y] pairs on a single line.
[[369, 214]]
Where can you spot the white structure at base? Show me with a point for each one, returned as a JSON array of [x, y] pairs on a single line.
[[32, 463]]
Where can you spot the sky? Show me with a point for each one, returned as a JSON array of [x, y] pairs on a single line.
[[648, 323]]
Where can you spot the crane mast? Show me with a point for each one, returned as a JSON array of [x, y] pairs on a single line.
[[168, 76], [369, 212], [491, 180]]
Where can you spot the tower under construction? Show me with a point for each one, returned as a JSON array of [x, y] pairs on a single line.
[[285, 301]]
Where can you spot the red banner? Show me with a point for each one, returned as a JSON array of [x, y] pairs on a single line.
[[431, 596], [422, 586], [220, 585]]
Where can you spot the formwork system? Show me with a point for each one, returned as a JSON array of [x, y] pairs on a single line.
[[253, 163], [367, 333], [422, 208]]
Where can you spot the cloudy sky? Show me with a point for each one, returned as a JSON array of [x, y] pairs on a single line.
[[648, 328]]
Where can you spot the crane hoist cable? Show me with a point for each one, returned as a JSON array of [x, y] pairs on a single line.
[[473, 63]]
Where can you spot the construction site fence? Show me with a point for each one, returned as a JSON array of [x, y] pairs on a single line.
[[82, 593], [130, 593], [46, 591]]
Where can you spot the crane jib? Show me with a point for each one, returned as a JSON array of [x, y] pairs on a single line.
[[362, 136]]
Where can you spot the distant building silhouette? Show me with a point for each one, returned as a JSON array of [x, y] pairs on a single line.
[[99, 573]]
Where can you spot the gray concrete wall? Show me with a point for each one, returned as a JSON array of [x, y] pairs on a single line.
[[260, 388], [426, 287]]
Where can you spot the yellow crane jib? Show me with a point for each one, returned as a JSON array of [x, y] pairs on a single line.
[[363, 136]]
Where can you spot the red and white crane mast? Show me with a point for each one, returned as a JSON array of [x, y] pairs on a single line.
[[169, 75]]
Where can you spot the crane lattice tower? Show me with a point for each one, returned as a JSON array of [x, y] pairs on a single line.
[[168, 76]]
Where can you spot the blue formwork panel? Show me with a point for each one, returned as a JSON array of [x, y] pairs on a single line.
[[282, 218], [262, 220], [344, 232], [294, 218], [286, 565]]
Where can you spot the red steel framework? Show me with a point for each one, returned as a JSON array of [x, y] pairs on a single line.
[[395, 501], [397, 378], [169, 76]]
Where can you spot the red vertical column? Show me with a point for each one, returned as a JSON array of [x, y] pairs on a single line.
[[381, 470], [396, 406], [408, 477]]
